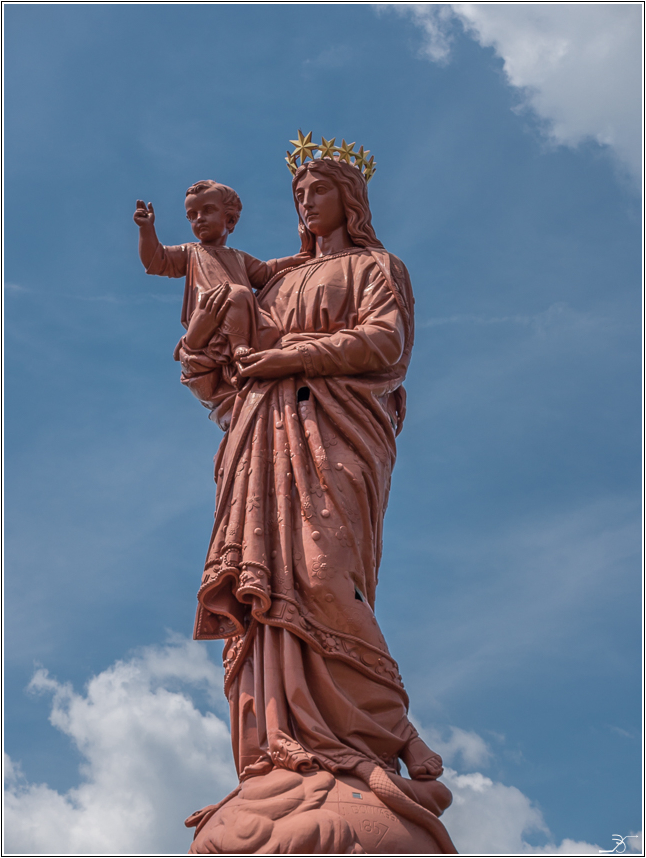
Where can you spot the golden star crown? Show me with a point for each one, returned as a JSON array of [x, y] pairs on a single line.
[[304, 149]]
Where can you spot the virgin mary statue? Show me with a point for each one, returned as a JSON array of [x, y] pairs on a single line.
[[303, 475]]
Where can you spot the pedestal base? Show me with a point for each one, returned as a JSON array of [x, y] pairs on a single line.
[[286, 812]]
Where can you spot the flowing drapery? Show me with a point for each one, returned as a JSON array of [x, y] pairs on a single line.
[[303, 478]]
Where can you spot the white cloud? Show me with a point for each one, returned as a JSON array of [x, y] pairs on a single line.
[[577, 65], [436, 22], [487, 817], [151, 757], [461, 744]]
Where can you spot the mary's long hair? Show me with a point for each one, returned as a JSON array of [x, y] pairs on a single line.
[[354, 196]]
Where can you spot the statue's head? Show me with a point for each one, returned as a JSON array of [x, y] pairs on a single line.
[[353, 193], [213, 209]]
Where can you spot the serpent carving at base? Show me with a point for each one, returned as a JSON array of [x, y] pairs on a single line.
[[301, 361]]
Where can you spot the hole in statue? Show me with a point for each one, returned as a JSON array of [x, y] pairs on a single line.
[[303, 394]]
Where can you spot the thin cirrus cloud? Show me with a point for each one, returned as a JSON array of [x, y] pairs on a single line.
[[576, 65], [539, 583], [553, 319], [151, 757]]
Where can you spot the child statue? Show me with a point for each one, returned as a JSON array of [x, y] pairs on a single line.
[[219, 311]]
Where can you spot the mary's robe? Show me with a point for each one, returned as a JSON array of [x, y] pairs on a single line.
[[303, 477]]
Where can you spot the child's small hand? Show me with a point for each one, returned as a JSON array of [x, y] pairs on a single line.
[[207, 316], [144, 216]]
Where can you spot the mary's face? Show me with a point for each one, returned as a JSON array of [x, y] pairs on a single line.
[[319, 204]]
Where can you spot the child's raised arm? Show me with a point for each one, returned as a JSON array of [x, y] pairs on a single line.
[[144, 217]]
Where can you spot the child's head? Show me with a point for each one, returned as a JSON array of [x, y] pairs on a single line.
[[213, 210]]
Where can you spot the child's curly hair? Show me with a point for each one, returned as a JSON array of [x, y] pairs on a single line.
[[230, 199]]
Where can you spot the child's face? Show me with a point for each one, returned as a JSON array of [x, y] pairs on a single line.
[[210, 222]]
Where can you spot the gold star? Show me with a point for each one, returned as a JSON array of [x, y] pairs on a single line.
[[304, 147], [327, 148], [346, 151], [361, 158], [291, 162], [370, 168]]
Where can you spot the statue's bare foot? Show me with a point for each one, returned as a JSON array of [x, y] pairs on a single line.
[[241, 351], [422, 763], [262, 767]]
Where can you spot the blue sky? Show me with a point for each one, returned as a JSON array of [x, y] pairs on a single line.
[[508, 151]]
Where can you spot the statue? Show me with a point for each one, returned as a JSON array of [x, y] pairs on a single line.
[[219, 316], [310, 398]]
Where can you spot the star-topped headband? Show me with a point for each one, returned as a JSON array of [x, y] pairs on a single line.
[[345, 152]]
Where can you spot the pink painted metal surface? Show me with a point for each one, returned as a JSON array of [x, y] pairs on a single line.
[[301, 362]]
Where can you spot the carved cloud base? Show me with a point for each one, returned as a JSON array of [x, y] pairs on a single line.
[[287, 812]]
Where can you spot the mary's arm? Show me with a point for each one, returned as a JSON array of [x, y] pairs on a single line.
[[374, 344]]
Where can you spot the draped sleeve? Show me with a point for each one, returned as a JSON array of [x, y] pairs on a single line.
[[349, 315], [170, 261], [374, 344]]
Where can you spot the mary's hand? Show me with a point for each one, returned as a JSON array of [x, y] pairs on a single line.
[[272, 363], [206, 317]]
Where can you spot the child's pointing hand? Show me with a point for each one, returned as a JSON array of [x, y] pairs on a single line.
[[144, 215]]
